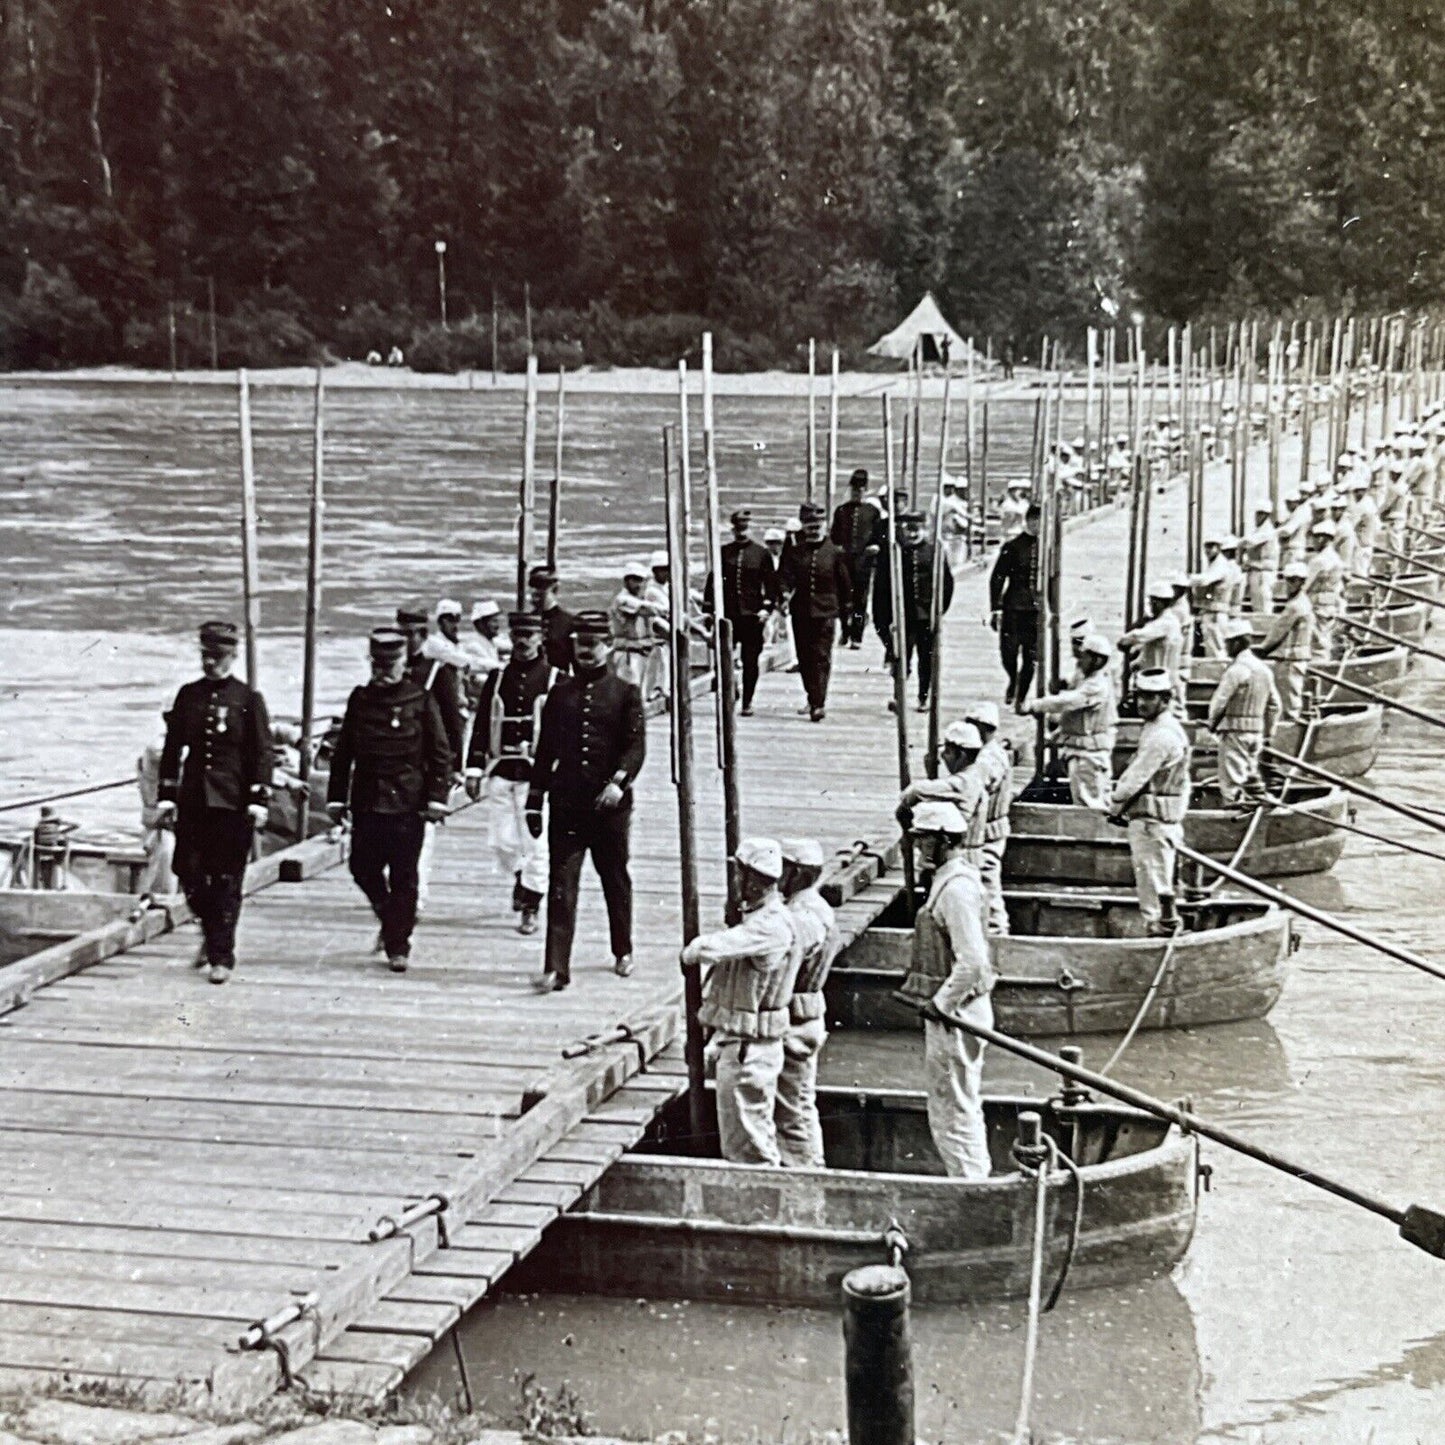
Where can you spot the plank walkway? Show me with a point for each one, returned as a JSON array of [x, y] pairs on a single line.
[[185, 1161]]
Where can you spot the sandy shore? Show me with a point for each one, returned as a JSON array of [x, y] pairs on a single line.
[[621, 380]]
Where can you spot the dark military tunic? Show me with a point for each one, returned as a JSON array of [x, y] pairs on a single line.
[[749, 588], [443, 680], [503, 739], [557, 637], [815, 576], [593, 733]]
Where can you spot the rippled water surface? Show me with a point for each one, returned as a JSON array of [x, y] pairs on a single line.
[[1294, 1317]]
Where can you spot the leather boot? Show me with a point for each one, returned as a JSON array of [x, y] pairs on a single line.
[[1170, 924]]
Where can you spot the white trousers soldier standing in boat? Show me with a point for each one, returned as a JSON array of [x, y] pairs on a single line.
[[800, 1131], [995, 763], [1151, 797], [1242, 715], [951, 976], [1290, 639], [745, 1002], [499, 764], [1088, 718]]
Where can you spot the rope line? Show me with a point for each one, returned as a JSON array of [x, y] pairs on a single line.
[[1022, 1434], [1145, 1006]]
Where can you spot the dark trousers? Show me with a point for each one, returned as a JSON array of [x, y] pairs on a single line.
[[571, 835], [213, 846], [861, 570], [813, 637], [748, 634], [918, 637], [385, 848], [1018, 645]]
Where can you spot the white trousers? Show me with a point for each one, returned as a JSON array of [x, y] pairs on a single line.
[[799, 1130], [990, 870], [516, 850], [747, 1098], [1152, 846], [953, 1077], [632, 666], [1289, 679], [1238, 766], [1091, 780], [423, 864], [1211, 632], [1260, 588], [156, 876]]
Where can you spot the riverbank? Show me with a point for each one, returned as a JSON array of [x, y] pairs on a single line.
[[601, 381]]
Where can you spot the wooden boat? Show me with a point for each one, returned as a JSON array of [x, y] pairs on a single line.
[[1079, 962], [93, 860], [1055, 842], [35, 918], [1408, 621], [1344, 738], [1376, 664], [670, 1220], [1359, 593]]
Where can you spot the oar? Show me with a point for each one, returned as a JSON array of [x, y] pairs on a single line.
[[1421, 532], [1405, 810], [1422, 1226], [1394, 639], [1384, 699], [1315, 915], [1409, 592], [1407, 559]]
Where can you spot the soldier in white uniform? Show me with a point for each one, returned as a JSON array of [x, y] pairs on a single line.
[[746, 993], [1151, 797], [1289, 641], [1158, 641], [1212, 587], [1088, 717], [1242, 715], [634, 627], [1325, 583], [800, 1131], [1261, 561], [951, 976], [995, 764]]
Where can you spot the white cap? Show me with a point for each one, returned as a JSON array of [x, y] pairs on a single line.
[[1237, 627], [1323, 529], [449, 607], [659, 559], [1214, 541], [1081, 627], [983, 712], [484, 607], [774, 534], [1229, 542], [763, 855], [1294, 570], [1178, 580], [1358, 483], [932, 817], [962, 735], [793, 525], [1153, 680], [1018, 484], [805, 852], [1098, 644], [635, 569], [1161, 592]]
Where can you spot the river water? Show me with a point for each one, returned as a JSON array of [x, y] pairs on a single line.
[[1294, 1317]]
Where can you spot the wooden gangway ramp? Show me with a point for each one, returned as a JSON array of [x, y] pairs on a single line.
[[182, 1162]]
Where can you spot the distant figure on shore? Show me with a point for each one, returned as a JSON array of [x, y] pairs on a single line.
[[392, 772], [395, 357], [215, 789], [856, 528], [591, 745], [1006, 359], [1013, 605]]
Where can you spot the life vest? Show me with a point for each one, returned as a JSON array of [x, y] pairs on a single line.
[[1166, 794], [1091, 729], [1245, 709], [816, 962], [933, 960], [747, 1002]]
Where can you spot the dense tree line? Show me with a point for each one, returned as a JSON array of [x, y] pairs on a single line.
[[781, 168]]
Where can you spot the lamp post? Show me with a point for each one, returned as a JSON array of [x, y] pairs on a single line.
[[442, 279]]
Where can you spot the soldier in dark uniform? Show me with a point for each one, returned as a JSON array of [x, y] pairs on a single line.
[[391, 769], [556, 620], [749, 597], [1013, 600], [499, 765], [442, 679], [916, 557], [592, 745], [215, 783], [816, 581], [856, 529]]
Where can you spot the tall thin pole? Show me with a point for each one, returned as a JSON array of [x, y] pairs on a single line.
[[554, 495], [917, 453], [723, 639], [832, 478], [935, 691], [250, 586], [313, 600], [684, 458], [527, 313], [211, 319], [900, 681], [171, 334], [682, 778], [495, 323], [812, 470], [527, 496], [982, 477], [970, 479]]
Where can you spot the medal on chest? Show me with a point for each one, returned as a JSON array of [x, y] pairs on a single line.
[[221, 719], [396, 717]]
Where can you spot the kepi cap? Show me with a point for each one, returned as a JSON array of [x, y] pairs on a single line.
[[412, 614], [219, 636], [810, 512], [743, 514], [963, 735], [386, 644], [541, 577], [1161, 592], [1097, 644], [1153, 680], [763, 856], [774, 534], [859, 477], [659, 559], [938, 817], [523, 622], [591, 624], [1236, 628]]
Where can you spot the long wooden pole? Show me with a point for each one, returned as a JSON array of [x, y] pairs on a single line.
[[900, 680], [935, 691], [1418, 1224], [682, 779], [554, 495], [726, 690], [250, 586], [832, 477], [527, 496], [812, 473], [314, 534]]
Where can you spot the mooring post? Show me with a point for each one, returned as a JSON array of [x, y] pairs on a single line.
[[878, 1356]]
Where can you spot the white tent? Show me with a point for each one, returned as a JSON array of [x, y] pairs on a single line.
[[924, 330]]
